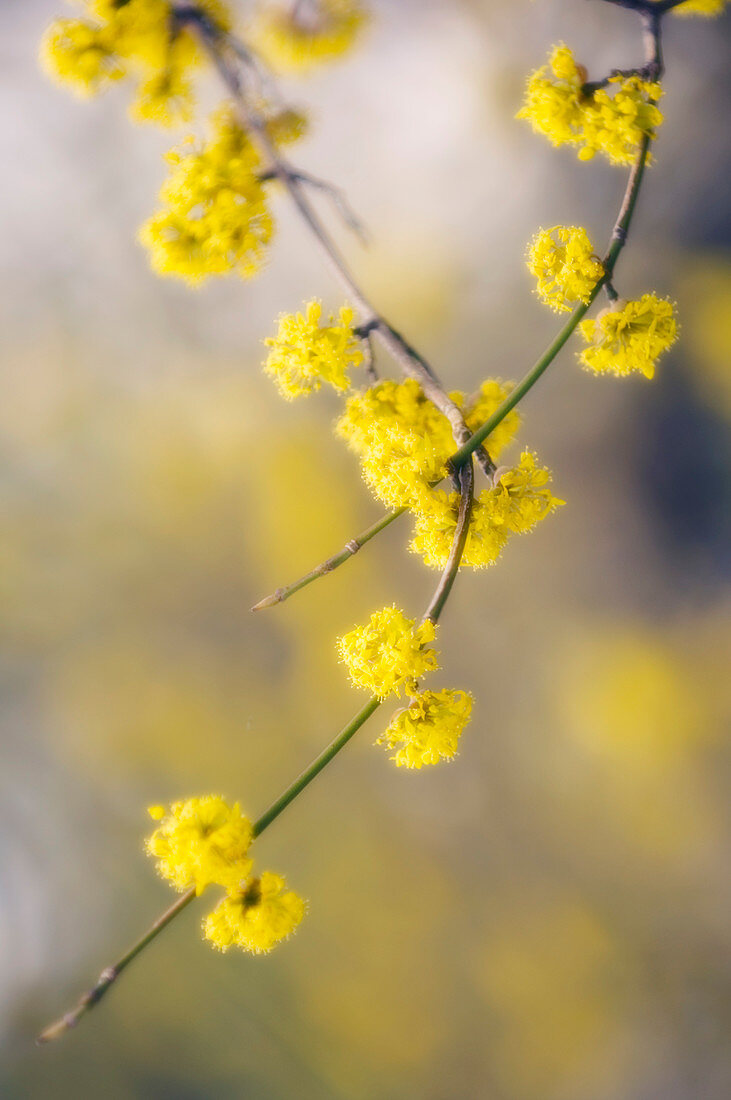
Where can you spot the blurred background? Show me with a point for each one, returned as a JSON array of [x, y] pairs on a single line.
[[547, 917]]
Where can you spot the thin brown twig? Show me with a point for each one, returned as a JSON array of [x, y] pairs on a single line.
[[413, 364], [351, 547], [466, 494]]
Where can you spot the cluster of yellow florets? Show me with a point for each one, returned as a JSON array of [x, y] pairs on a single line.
[[297, 37], [205, 842], [629, 336], [403, 441], [216, 218], [429, 729], [304, 353], [563, 261], [139, 38], [610, 120], [389, 653], [201, 842], [519, 499], [256, 916]]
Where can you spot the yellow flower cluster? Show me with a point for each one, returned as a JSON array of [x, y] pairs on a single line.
[[563, 261], [629, 336], [140, 38], [200, 842], [298, 37], [403, 441], [429, 729], [518, 501], [216, 218], [256, 916], [204, 842], [708, 8], [304, 353], [389, 653], [612, 124]]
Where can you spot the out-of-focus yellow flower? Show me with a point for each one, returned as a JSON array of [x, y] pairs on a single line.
[[556, 982], [304, 353], [165, 99], [390, 653], [140, 38], [287, 126], [627, 694], [563, 261], [216, 218], [256, 916], [708, 8], [298, 37], [200, 842], [80, 55], [611, 120], [705, 291], [629, 336], [428, 730]]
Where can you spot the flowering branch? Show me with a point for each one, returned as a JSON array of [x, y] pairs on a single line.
[[413, 364], [110, 974], [218, 221], [617, 243]]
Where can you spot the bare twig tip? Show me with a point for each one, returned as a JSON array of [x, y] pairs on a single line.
[[268, 601]]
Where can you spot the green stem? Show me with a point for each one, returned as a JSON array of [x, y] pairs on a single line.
[[325, 567], [316, 766], [618, 241], [526, 384], [459, 541], [108, 977]]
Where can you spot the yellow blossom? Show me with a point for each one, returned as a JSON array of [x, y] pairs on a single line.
[[518, 501], [558, 106], [480, 407], [216, 218], [298, 37], [304, 353], [429, 729], [629, 336], [553, 97], [287, 126], [200, 842], [563, 261], [403, 441], [256, 916], [165, 99], [137, 38], [80, 55], [390, 653], [615, 125]]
